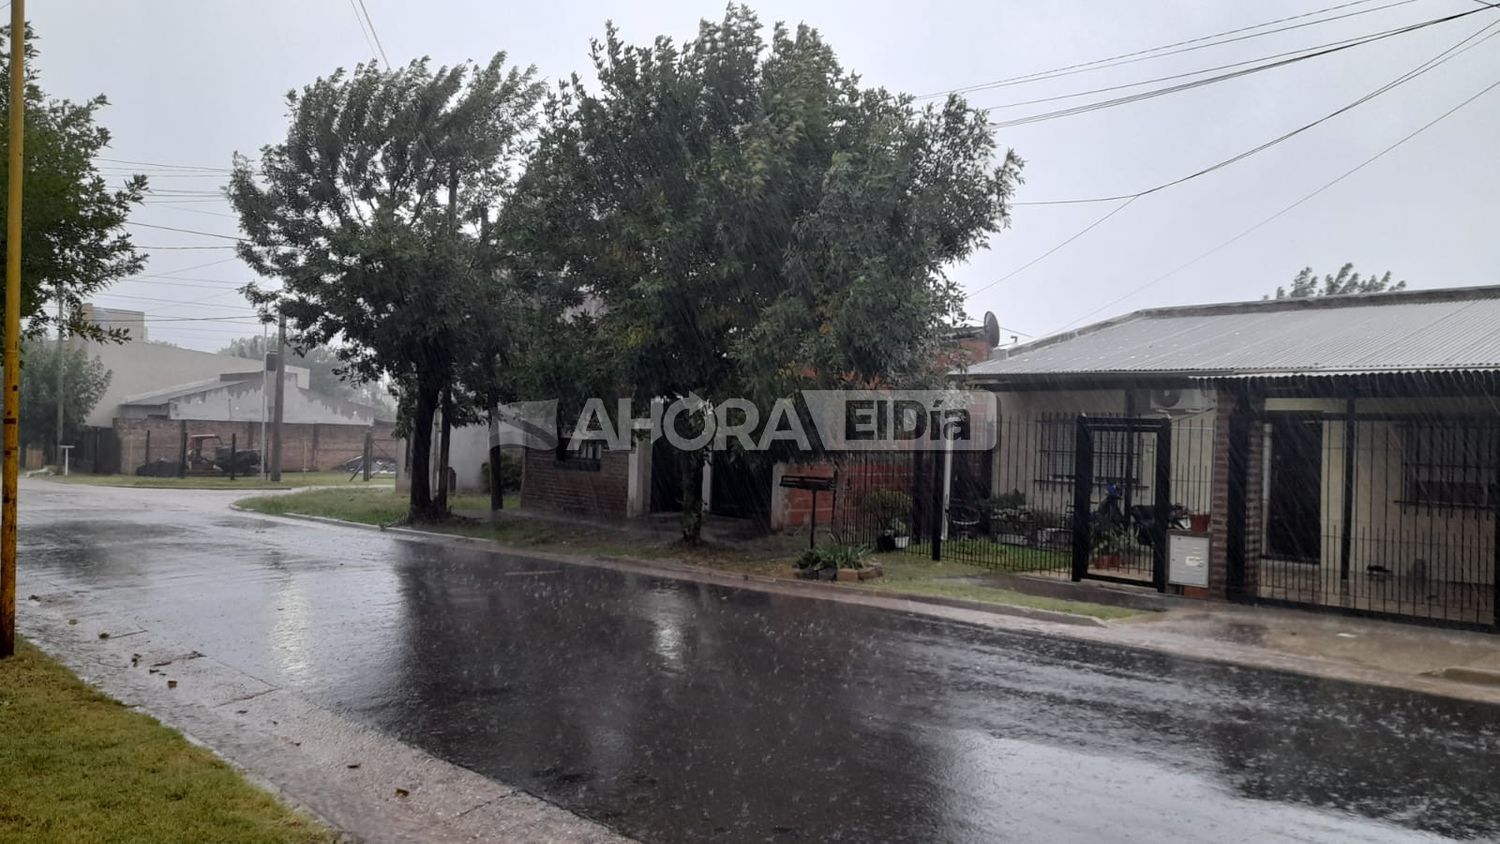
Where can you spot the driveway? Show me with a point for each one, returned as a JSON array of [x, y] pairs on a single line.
[[677, 711]]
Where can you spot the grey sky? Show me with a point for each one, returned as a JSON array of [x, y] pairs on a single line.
[[191, 81]]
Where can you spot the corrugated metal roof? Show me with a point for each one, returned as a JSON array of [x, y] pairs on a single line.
[[1416, 331]]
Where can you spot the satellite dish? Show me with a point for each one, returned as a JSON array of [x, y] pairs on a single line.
[[991, 329]]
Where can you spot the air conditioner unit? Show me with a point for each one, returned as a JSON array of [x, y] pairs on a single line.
[[1181, 401]]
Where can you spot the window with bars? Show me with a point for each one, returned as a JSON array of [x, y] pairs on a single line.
[[1115, 461], [1449, 465]]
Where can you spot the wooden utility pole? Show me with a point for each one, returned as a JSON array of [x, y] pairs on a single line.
[[12, 433], [280, 394]]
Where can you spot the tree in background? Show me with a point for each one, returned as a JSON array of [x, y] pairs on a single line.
[[72, 238], [371, 212], [754, 220], [84, 381], [1307, 284], [325, 370]]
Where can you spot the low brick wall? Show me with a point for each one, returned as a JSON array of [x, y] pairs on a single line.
[[575, 486]]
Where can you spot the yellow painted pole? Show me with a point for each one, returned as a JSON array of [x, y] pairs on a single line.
[[12, 432]]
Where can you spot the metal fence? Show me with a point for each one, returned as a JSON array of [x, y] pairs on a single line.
[[1389, 515], [1011, 509]]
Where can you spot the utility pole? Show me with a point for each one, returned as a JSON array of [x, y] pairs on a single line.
[[12, 433], [61, 361], [280, 412]]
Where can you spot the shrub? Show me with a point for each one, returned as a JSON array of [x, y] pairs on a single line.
[[510, 474], [889, 507]]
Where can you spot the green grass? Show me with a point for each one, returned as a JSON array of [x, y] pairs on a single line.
[[288, 480], [967, 591], [356, 504], [78, 766], [994, 556], [911, 573]]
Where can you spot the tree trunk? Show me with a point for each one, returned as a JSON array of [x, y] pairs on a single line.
[[420, 507], [692, 498], [497, 489], [445, 436]]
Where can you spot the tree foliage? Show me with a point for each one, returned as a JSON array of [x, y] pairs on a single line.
[[84, 381], [1346, 282], [375, 212], [752, 218], [73, 243]]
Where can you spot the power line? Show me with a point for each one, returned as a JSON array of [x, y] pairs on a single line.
[[362, 30], [1346, 174], [1038, 259], [1224, 77], [164, 166], [140, 246], [1450, 53], [184, 231], [376, 35], [1144, 55]]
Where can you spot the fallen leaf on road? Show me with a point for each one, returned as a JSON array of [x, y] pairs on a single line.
[[171, 684], [104, 635], [401, 792], [352, 765], [72, 621]]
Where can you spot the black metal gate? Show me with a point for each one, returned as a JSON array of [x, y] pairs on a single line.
[[1122, 500]]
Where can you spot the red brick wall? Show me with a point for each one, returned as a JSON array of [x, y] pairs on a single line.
[[548, 485], [859, 475], [1218, 564], [303, 447]]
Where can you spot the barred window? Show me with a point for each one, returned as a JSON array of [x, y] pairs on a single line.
[[1450, 465]]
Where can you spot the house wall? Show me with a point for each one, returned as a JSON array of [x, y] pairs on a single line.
[[304, 448], [139, 367], [244, 401]]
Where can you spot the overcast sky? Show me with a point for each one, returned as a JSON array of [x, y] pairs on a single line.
[[191, 81]]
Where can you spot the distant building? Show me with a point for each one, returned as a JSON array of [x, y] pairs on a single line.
[[158, 391]]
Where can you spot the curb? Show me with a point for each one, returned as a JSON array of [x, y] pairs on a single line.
[[678, 571]]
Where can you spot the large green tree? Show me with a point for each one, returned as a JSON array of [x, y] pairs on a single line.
[[84, 380], [73, 243], [373, 212], [1307, 284], [753, 218]]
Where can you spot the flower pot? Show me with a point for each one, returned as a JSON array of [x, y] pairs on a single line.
[[901, 541], [849, 575], [1199, 522]]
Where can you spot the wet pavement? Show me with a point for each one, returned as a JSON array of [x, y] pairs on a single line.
[[679, 711]]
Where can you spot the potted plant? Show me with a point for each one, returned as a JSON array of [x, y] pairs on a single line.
[[889, 508], [1109, 542], [900, 533]]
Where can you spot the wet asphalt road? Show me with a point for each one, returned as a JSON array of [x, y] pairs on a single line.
[[674, 711]]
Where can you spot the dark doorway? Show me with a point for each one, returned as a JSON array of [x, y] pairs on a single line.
[[740, 487], [667, 465], [1294, 511]]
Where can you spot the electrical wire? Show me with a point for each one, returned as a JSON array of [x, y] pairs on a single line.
[[376, 35], [1457, 49], [184, 231], [1465, 44], [1325, 186], [1224, 77], [1144, 55]]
